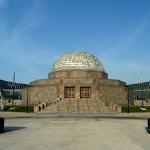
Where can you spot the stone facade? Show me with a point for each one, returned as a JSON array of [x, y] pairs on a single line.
[[103, 92], [78, 74], [104, 95]]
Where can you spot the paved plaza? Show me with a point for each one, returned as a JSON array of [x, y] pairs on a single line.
[[74, 133]]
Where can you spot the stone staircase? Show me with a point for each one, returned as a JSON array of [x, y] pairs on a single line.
[[82, 106]]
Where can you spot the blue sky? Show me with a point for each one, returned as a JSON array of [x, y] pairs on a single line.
[[34, 33]]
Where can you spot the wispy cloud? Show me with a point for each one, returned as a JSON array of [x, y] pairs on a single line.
[[140, 28], [16, 45], [124, 45], [3, 3], [114, 63], [129, 72]]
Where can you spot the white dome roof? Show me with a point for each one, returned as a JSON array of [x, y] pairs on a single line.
[[78, 60]]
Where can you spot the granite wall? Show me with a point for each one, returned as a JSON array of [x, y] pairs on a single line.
[[52, 91]]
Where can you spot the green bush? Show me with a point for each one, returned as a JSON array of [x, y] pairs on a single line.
[[6, 107], [19, 108], [135, 109]]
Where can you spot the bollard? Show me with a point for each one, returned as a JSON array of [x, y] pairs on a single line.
[[148, 125], [2, 125]]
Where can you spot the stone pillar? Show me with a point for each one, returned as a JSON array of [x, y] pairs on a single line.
[[77, 90], [36, 109], [119, 109], [62, 91]]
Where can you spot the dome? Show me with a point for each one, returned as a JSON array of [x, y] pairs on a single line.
[[78, 60]]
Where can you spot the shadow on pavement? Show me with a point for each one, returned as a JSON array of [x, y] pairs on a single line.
[[12, 128], [148, 131]]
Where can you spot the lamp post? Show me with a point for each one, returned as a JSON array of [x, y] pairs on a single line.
[[128, 99], [27, 101], [142, 87], [13, 96], [142, 94], [13, 86]]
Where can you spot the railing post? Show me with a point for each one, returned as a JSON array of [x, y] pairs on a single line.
[[148, 125], [2, 125]]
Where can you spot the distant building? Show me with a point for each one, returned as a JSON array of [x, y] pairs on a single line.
[[140, 91], [6, 90], [78, 83]]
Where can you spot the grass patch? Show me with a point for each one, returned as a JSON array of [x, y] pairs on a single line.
[[18, 108], [135, 109]]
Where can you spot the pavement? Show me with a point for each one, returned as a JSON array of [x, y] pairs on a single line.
[[38, 131], [13, 115]]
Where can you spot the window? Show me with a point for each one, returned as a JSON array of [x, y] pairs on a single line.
[[69, 92], [85, 92]]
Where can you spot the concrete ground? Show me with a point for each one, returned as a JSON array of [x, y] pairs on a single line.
[[74, 133]]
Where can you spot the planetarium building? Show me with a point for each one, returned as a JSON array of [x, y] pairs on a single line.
[[78, 83]]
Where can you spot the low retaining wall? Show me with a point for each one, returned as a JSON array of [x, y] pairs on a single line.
[[40, 107], [139, 102]]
